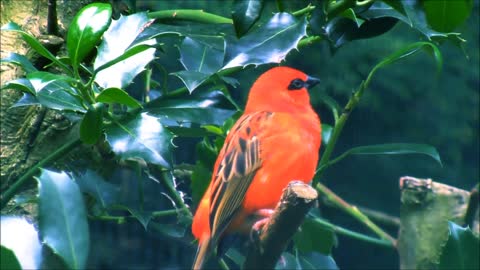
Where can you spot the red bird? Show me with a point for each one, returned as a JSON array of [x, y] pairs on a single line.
[[274, 142]]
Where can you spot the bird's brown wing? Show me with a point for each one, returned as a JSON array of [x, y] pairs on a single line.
[[238, 163]]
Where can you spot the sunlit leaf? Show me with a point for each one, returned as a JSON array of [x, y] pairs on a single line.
[[26, 100], [63, 218], [142, 136], [20, 240], [117, 95], [117, 45], [19, 60], [91, 127], [55, 91], [35, 44], [20, 84], [282, 32], [245, 13], [461, 250], [86, 30]]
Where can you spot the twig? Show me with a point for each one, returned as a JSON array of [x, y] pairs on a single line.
[[352, 210], [296, 201], [380, 217], [355, 235]]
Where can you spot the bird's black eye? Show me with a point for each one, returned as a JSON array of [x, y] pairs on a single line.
[[296, 84]]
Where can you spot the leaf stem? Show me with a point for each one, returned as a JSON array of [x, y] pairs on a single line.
[[122, 219], [195, 15], [5, 197], [353, 211], [303, 11], [355, 235], [336, 7]]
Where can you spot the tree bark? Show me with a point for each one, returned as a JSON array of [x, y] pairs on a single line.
[[29, 133]]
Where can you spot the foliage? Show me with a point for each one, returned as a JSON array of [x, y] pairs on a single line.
[[140, 126]]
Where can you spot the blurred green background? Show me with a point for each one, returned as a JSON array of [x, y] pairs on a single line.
[[406, 102]]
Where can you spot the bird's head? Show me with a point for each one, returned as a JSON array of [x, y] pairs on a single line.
[[281, 89]]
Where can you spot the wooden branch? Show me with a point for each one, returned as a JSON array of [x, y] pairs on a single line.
[[296, 201]]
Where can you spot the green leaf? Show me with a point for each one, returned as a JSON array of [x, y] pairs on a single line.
[[104, 193], [446, 15], [119, 60], [91, 126], [19, 60], [21, 84], [117, 95], [86, 30], [201, 57], [201, 108], [350, 14], [201, 176], [55, 92], [21, 247], [461, 250], [245, 13], [326, 133], [282, 32], [419, 22], [35, 44], [314, 236], [341, 30], [142, 136], [63, 218], [391, 149], [397, 5], [382, 10], [26, 100], [314, 260], [407, 51], [8, 260]]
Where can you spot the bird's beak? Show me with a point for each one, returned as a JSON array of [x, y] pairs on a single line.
[[311, 82]]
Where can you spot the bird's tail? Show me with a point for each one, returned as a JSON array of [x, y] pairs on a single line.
[[203, 252]]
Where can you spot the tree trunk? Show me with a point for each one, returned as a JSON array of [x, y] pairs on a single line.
[[29, 133]]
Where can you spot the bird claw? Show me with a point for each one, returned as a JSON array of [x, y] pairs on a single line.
[[258, 225]]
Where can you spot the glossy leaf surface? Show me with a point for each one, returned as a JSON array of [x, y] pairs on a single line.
[[86, 30], [282, 32], [461, 250], [35, 44], [19, 60], [63, 218], [201, 57], [200, 108], [245, 13], [19, 239], [117, 95], [117, 45], [21, 84], [144, 137], [91, 126]]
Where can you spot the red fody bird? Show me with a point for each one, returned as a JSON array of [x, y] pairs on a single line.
[[274, 142]]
